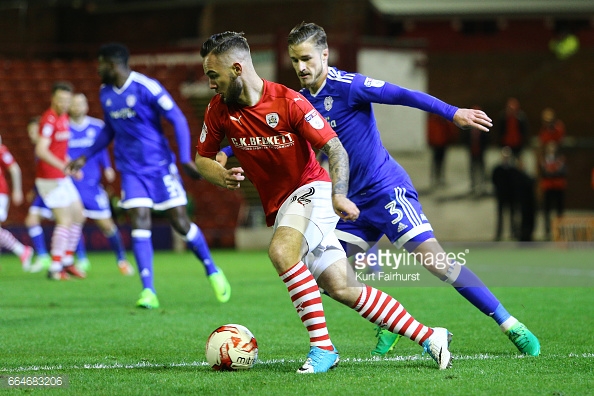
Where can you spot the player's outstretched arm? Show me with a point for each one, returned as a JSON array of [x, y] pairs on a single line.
[[215, 173], [338, 161], [471, 118]]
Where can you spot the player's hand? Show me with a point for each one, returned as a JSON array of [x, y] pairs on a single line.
[[78, 175], [233, 178], [471, 118], [17, 197], [191, 170], [344, 207], [109, 174], [75, 165], [221, 158]]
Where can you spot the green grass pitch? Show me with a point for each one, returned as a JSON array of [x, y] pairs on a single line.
[[90, 331]]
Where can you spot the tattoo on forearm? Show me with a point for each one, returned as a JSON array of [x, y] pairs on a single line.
[[339, 166]]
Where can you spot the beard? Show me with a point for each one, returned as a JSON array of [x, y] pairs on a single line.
[[312, 80], [233, 92]]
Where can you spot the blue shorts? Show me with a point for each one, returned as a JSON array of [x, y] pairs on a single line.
[[39, 208], [391, 211], [160, 190], [95, 201]]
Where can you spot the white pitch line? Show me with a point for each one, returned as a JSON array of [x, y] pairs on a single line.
[[103, 366]]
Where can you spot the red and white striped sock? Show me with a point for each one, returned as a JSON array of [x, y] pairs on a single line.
[[74, 233], [9, 242], [386, 312], [307, 300], [59, 243]]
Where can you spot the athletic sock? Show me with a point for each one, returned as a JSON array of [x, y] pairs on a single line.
[[306, 299], [38, 239], [81, 250], [386, 312], [196, 241], [142, 246], [117, 245], [58, 246], [8, 241], [473, 289]]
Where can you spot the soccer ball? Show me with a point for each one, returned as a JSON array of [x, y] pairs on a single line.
[[231, 347]]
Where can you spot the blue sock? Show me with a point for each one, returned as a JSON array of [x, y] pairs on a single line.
[[475, 291], [38, 240], [116, 244], [501, 315], [196, 241], [143, 253], [81, 250]]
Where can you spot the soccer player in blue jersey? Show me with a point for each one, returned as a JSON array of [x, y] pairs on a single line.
[[84, 131], [133, 105], [379, 186]]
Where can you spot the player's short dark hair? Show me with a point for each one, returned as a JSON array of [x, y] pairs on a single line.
[[222, 42], [34, 120], [306, 31], [62, 86], [115, 52]]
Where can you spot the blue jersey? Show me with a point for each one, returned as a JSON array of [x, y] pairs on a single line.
[[133, 120], [83, 136], [345, 100]]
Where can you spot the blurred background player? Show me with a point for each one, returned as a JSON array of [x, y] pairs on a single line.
[[55, 188], [7, 240], [37, 211], [84, 131], [133, 105]]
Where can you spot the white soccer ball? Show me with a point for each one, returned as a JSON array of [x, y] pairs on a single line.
[[231, 347]]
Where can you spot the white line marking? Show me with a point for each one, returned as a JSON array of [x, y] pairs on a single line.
[[144, 364]]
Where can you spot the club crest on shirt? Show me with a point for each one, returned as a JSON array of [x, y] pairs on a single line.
[[203, 133], [314, 119], [328, 103], [370, 82], [130, 100], [108, 103], [91, 133], [272, 119]]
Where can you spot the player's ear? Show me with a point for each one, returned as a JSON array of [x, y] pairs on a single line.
[[325, 55], [237, 68]]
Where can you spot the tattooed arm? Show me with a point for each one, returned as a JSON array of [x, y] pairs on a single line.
[[338, 160]]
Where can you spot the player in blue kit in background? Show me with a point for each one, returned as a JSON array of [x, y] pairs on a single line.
[[133, 105], [84, 131], [379, 186]]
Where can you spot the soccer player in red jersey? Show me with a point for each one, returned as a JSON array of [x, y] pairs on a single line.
[[7, 240], [56, 189], [272, 129]]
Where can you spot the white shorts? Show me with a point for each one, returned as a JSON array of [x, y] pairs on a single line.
[[3, 207], [309, 210], [57, 193]]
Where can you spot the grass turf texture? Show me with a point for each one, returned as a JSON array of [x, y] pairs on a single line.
[[90, 331]]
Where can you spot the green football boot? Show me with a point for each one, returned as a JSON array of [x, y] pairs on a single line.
[[523, 339], [386, 341], [148, 299]]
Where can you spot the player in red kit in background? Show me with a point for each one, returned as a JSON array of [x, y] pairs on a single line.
[[7, 240], [56, 189]]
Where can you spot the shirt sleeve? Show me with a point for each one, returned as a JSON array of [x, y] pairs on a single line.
[[103, 139], [209, 141], [172, 113], [309, 123], [368, 90]]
